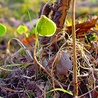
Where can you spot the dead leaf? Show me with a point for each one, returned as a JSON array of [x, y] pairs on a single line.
[[82, 28], [64, 64], [28, 41]]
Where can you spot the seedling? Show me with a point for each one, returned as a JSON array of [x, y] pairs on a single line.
[[22, 29], [44, 27]]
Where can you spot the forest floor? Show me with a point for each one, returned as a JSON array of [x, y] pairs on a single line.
[[22, 77]]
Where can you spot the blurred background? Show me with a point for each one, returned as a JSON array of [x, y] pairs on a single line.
[[16, 12]]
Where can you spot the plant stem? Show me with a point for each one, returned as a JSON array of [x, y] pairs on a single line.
[[74, 51], [35, 58]]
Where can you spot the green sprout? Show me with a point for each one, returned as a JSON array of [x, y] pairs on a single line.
[[22, 29], [44, 27]]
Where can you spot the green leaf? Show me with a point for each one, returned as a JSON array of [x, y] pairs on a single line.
[[92, 37], [13, 65], [2, 30], [5, 69], [45, 27], [22, 29], [63, 90]]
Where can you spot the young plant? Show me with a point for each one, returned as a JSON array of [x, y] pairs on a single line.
[[22, 29], [44, 27]]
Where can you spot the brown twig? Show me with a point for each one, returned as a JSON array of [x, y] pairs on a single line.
[[74, 51]]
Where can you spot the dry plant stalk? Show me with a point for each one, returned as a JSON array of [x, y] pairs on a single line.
[[74, 51]]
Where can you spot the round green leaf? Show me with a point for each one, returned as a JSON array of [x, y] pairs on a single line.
[[22, 29], [45, 26], [2, 30]]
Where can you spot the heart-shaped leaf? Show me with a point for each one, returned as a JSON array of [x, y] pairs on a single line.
[[22, 29], [45, 26], [2, 30]]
